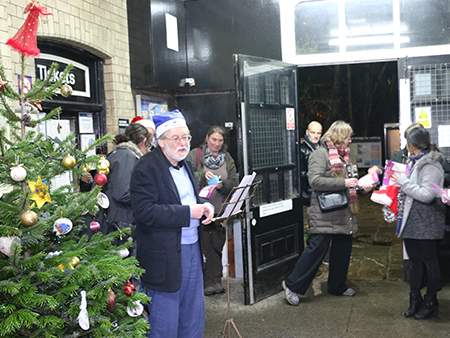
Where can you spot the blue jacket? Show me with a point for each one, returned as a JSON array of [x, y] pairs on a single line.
[[159, 218]]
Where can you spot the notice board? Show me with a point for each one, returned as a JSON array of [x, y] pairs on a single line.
[[366, 151]]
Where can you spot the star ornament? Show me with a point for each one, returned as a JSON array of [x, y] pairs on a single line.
[[2, 85], [37, 103], [40, 190]]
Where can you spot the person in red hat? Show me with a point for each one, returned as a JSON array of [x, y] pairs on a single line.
[[147, 123]]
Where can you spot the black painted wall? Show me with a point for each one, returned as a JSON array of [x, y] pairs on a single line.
[[204, 111], [218, 29], [209, 32]]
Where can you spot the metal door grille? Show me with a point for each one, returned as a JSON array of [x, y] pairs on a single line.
[[271, 142], [430, 87]]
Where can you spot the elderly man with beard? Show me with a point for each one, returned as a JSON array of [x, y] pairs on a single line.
[[169, 216]]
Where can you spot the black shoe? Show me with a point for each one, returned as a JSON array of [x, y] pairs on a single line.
[[209, 291], [218, 288], [415, 299], [428, 308]]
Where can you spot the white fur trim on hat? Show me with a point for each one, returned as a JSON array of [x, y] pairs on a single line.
[[170, 124], [147, 123]]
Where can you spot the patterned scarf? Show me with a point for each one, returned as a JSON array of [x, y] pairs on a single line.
[[338, 170], [211, 162], [401, 195]]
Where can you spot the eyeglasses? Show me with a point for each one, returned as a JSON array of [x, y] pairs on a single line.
[[177, 139]]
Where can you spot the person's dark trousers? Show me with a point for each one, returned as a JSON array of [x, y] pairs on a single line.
[[423, 253], [213, 242], [309, 262]]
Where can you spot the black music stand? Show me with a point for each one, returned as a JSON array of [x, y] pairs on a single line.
[[231, 207]]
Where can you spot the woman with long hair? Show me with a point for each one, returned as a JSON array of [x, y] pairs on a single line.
[[131, 145], [209, 160], [421, 221], [328, 170]]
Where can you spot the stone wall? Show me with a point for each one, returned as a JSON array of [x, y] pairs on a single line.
[[97, 26]]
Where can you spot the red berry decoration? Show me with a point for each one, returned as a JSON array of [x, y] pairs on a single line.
[[129, 289], [100, 179]]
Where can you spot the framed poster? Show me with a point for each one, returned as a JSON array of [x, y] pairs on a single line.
[[366, 152]]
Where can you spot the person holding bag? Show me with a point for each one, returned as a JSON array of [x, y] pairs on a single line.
[[328, 170], [421, 221], [211, 161]]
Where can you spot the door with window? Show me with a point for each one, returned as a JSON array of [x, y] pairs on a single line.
[[269, 145]]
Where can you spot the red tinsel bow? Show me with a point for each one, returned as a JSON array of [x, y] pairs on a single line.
[[25, 40]]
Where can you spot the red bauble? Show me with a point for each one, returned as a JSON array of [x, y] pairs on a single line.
[[100, 179], [129, 289], [94, 225], [111, 301]]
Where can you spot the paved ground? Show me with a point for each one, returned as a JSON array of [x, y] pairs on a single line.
[[376, 311]]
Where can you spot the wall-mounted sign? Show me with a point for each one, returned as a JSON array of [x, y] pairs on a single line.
[[366, 151], [27, 83], [78, 78], [86, 123], [123, 124], [290, 119], [423, 116]]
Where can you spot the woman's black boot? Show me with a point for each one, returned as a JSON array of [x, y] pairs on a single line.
[[415, 299], [428, 308]]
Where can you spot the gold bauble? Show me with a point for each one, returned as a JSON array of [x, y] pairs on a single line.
[[66, 90], [68, 161], [104, 171], [86, 167], [74, 262], [29, 218], [103, 163]]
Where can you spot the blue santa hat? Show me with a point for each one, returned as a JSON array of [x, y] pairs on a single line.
[[167, 121]]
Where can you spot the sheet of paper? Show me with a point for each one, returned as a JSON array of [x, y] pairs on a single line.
[[207, 191], [237, 198]]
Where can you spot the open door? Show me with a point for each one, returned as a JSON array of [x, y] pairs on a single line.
[[269, 145]]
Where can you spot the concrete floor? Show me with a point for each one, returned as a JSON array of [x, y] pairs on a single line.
[[376, 310]]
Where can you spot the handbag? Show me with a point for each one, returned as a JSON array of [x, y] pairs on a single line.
[[332, 200]]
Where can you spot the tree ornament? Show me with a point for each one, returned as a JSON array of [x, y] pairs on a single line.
[[103, 200], [40, 190], [7, 242], [104, 171], [62, 226], [136, 310], [66, 90], [18, 172], [100, 179], [86, 167], [94, 225], [2, 85], [25, 40], [111, 301], [29, 218], [124, 253], [129, 289], [103, 163], [69, 161], [87, 178], [37, 103], [74, 262], [83, 318]]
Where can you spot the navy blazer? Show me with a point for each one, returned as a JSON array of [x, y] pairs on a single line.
[[159, 218]]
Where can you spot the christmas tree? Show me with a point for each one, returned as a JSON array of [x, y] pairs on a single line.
[[55, 279]]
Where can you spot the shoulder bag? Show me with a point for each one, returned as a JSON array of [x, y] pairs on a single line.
[[332, 200]]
